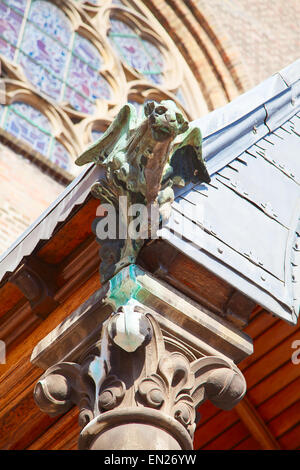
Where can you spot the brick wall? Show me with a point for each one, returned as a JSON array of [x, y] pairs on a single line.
[[25, 192], [231, 45], [266, 33], [184, 22]]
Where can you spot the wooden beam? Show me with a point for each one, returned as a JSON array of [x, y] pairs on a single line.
[[257, 427]]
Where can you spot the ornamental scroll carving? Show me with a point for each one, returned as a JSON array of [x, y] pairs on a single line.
[[143, 158], [129, 376]]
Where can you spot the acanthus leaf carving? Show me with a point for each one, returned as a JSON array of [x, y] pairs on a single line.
[[169, 389], [112, 393], [152, 389], [56, 391], [111, 381], [218, 380]]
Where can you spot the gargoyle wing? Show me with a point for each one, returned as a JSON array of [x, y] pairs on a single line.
[[186, 164], [114, 138]]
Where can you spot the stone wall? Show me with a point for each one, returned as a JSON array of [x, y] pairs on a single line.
[[265, 32], [232, 45]]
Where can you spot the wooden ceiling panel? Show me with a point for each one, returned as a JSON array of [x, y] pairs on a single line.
[[61, 435], [257, 325], [229, 438], [273, 387], [275, 382], [267, 341], [248, 443], [280, 401], [291, 439], [213, 427], [270, 361], [286, 420], [207, 411]]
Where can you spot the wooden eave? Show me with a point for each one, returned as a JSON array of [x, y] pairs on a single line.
[[70, 257]]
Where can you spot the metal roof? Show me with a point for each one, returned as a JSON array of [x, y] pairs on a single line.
[[243, 226]]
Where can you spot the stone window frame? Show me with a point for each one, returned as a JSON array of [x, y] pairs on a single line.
[[62, 129], [79, 24], [73, 129]]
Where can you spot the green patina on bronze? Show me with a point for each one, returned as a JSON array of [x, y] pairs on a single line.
[[143, 157], [124, 286]]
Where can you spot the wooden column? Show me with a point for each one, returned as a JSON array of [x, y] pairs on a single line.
[[138, 358]]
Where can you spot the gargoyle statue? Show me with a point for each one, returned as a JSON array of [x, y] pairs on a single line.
[[143, 159]]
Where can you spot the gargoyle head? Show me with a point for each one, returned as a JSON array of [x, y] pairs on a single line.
[[165, 119]]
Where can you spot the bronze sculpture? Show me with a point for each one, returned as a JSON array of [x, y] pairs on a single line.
[[144, 158]]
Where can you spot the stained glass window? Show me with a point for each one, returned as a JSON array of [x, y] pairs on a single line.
[[10, 25], [180, 96], [19, 5], [85, 85], [93, 2], [138, 53], [59, 155], [27, 123], [58, 61], [138, 106], [51, 20], [43, 60], [2, 109], [30, 125], [95, 135]]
